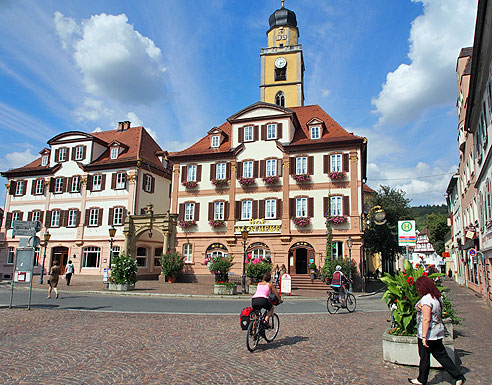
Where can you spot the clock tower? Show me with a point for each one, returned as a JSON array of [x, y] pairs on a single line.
[[282, 64]]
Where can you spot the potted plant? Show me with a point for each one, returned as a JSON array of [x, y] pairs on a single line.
[[123, 273], [336, 219], [301, 178], [216, 223], [220, 182], [312, 270], [271, 179], [172, 264], [255, 269], [190, 184], [186, 224], [220, 266], [337, 175], [301, 221], [246, 181]]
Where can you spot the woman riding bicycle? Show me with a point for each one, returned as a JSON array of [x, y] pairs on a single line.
[[260, 299]]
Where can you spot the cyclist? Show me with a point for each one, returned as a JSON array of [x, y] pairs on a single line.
[[338, 283], [260, 299]]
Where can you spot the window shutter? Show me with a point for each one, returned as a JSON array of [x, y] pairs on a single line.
[[326, 164], [279, 208], [144, 176], [64, 218], [279, 167], [124, 179], [8, 221], [181, 211], [110, 216], [113, 180], [345, 162], [103, 182], [262, 213], [199, 173], [255, 169], [152, 185], [325, 206], [226, 211], [346, 206], [210, 211], [254, 211], [228, 170], [292, 207], [69, 183], [87, 216], [41, 216], [310, 207], [279, 130], [33, 187], [213, 171], [77, 218], [99, 216], [184, 172], [13, 184], [73, 151], [310, 165], [124, 214], [29, 216], [239, 169], [84, 152], [255, 133], [237, 214], [21, 215], [197, 212], [89, 182], [47, 220], [240, 135], [52, 185], [263, 132], [262, 168], [43, 187], [292, 166], [57, 155], [64, 184]]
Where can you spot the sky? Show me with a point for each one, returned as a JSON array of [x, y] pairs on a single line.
[[383, 69]]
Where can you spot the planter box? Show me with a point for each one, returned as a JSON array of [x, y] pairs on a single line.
[[121, 286], [252, 289], [403, 350], [224, 290]]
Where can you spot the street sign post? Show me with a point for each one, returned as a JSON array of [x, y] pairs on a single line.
[[406, 234], [472, 253]]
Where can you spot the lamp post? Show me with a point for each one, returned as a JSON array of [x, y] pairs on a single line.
[[112, 232], [350, 243], [244, 235], [47, 237]]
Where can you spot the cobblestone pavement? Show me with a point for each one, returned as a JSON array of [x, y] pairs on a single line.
[[68, 347]]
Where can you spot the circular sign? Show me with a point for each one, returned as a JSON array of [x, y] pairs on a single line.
[[407, 226], [472, 252]]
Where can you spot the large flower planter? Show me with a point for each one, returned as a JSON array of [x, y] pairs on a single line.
[[403, 350], [224, 290], [121, 286], [252, 289]]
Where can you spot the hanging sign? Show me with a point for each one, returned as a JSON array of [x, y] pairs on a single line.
[[406, 233]]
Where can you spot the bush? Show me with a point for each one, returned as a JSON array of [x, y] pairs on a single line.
[[256, 268], [330, 266], [123, 270], [172, 263], [312, 266], [220, 266]]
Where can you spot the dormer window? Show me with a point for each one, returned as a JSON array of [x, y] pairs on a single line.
[[248, 133], [215, 141], [271, 131], [315, 132], [114, 152], [44, 160], [62, 154], [79, 153]]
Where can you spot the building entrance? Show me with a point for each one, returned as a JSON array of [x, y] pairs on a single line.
[[301, 255], [60, 254]]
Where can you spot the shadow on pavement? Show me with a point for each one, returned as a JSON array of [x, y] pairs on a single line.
[[283, 342], [85, 308]]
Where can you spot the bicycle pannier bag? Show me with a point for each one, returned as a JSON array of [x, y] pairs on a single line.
[[245, 317]]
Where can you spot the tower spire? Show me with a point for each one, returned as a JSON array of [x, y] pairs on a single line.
[[282, 1]]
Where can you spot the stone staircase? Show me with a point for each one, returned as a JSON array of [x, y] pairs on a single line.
[[304, 282]]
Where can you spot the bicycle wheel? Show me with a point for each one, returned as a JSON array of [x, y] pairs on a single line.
[[252, 336], [330, 305], [350, 302], [273, 326]]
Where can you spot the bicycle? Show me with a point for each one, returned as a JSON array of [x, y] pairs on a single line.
[[333, 303], [257, 329]]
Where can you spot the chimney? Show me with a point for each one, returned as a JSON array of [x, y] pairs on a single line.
[[120, 126], [126, 125]]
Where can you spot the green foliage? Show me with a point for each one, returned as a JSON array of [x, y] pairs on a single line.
[[419, 213], [330, 265], [449, 310], [438, 228], [220, 266], [172, 263], [255, 269], [402, 292], [123, 269], [226, 284], [312, 266]]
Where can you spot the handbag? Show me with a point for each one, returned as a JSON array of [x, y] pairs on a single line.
[[273, 299], [48, 282]]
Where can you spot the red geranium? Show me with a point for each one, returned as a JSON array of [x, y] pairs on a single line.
[[425, 274], [410, 280]]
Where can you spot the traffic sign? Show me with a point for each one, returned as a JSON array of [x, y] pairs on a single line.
[[27, 228], [472, 253], [406, 233]]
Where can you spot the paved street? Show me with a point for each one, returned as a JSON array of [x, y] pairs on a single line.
[[46, 346]]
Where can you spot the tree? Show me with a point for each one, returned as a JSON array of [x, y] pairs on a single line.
[[438, 228], [384, 238]]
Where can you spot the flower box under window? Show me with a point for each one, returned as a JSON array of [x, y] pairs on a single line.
[[190, 184], [302, 178], [220, 182], [271, 179], [186, 224], [337, 175], [217, 223], [246, 181], [336, 219], [301, 221]]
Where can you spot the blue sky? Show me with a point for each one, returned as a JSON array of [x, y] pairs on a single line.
[[383, 69]]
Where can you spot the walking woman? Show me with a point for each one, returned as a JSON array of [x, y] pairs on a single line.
[[53, 280], [431, 332]]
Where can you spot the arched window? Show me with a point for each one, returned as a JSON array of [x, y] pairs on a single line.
[[280, 99]]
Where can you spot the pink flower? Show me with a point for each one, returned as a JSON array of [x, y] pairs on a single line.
[[255, 261]]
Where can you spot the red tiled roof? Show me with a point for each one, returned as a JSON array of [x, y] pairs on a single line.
[[367, 189]]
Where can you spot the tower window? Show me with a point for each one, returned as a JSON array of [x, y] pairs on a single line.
[[280, 74], [280, 99]]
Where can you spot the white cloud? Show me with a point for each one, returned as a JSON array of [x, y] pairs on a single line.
[[429, 80], [92, 110], [379, 145], [17, 159], [136, 121], [325, 93], [116, 61]]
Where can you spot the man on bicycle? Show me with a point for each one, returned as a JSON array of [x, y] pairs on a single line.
[[338, 283]]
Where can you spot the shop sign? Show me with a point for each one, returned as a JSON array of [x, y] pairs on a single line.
[[256, 226]]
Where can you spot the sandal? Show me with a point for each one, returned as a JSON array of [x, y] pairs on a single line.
[[414, 381]]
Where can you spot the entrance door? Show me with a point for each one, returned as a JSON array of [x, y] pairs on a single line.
[[301, 261], [60, 254]]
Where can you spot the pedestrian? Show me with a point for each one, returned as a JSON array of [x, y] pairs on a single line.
[[53, 279], [68, 272], [283, 270], [430, 332], [276, 274], [450, 274], [376, 274]]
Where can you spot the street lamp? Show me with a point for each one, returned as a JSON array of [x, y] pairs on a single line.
[[112, 232], [350, 243], [47, 237], [244, 235]]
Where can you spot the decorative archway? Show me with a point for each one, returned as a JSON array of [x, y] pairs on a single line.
[[301, 254], [216, 249]]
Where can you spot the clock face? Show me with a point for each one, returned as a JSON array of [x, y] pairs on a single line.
[[280, 62]]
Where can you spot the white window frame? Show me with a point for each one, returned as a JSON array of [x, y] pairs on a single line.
[[55, 218], [15, 216], [191, 174], [271, 167], [75, 184], [36, 215], [86, 251], [79, 152], [19, 186], [38, 190], [142, 257], [72, 218], [271, 131], [220, 171], [93, 217], [62, 154], [219, 208], [189, 213], [44, 160], [270, 209], [118, 216], [58, 185], [301, 165], [246, 210], [120, 180], [248, 169], [10, 255], [148, 183], [315, 132], [215, 141], [36, 256], [336, 206], [301, 207], [97, 182], [116, 251], [248, 133], [188, 252], [260, 253], [115, 151], [335, 162]]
